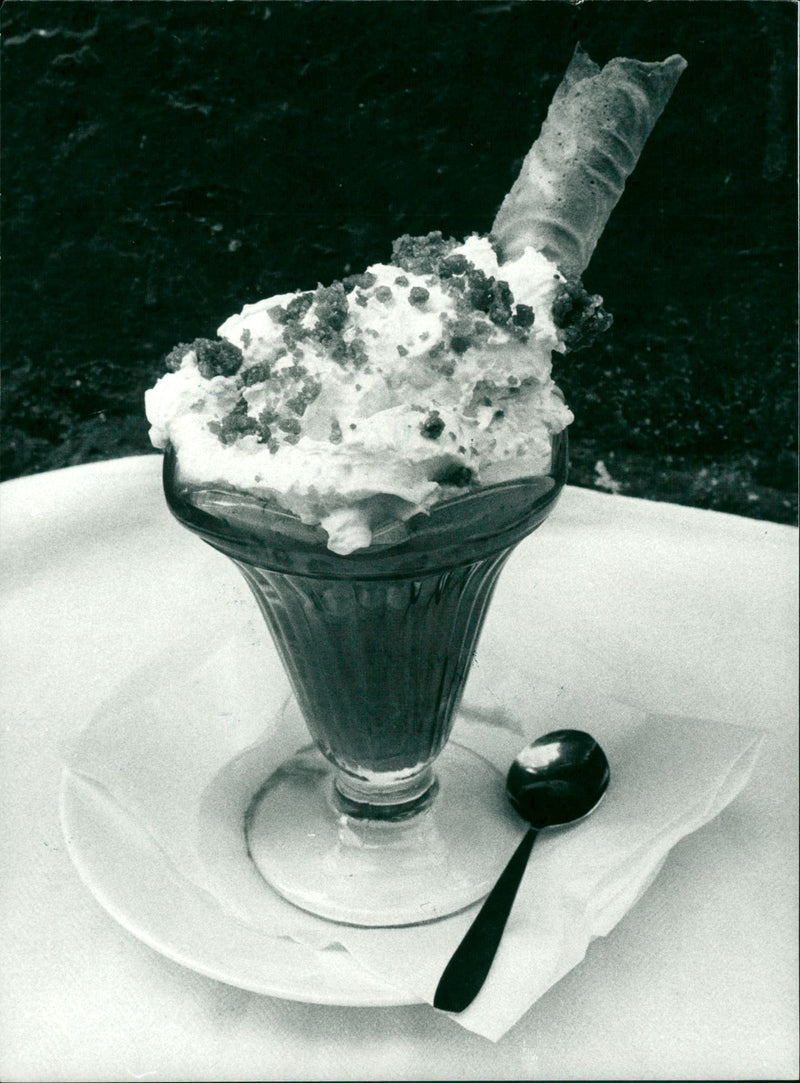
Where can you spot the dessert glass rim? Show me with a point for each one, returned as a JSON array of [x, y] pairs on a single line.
[[420, 545]]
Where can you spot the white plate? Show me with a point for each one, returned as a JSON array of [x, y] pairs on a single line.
[[135, 884]]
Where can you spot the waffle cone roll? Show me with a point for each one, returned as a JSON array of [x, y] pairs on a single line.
[[575, 172]]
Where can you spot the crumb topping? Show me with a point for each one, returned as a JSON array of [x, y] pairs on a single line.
[[421, 255], [433, 426], [579, 315], [215, 357], [462, 312]]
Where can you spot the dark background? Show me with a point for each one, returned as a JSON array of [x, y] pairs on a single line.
[[166, 162]]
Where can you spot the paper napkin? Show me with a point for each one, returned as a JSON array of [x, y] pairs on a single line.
[[184, 746]]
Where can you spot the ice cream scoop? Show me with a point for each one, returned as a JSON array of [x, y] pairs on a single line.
[[377, 397], [558, 779]]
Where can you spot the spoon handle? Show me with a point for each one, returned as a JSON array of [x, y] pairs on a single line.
[[466, 972]]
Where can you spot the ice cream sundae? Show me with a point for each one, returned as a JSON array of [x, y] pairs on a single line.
[[369, 453]]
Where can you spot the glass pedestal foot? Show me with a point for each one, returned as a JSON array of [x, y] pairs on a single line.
[[375, 872]]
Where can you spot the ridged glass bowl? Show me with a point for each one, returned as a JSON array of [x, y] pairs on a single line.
[[380, 821]]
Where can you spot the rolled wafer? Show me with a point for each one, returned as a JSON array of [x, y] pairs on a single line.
[[575, 172]]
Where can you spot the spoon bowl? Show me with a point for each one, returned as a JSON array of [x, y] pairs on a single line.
[[558, 779]]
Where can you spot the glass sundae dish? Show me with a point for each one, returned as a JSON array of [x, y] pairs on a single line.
[[369, 454], [378, 646]]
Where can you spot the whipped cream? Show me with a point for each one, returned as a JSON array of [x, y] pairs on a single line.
[[373, 398]]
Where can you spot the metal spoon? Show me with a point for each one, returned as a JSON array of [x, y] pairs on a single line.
[[556, 780]]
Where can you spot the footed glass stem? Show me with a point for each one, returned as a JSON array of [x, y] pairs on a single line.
[[437, 858]]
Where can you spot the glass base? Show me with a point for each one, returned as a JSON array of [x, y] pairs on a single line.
[[378, 872]]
